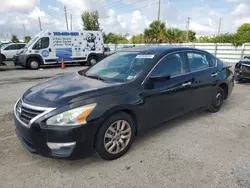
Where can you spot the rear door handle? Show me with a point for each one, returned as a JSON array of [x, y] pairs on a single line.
[[49, 49], [214, 74], [186, 84]]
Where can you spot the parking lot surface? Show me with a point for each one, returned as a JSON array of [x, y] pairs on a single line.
[[197, 150]]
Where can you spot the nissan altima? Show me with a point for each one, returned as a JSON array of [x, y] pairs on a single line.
[[104, 107]]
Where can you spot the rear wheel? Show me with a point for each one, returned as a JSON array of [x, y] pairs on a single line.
[[33, 63], [217, 100], [115, 136], [92, 60]]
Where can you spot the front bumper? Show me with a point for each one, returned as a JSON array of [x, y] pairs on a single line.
[[20, 59], [59, 141], [240, 74]]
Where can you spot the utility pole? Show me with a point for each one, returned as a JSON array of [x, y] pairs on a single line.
[[24, 30], [159, 10], [219, 26], [66, 18], [39, 22], [187, 25], [71, 22]]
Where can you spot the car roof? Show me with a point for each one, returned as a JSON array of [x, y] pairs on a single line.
[[159, 50]]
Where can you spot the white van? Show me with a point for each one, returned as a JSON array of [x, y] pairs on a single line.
[[50, 47]]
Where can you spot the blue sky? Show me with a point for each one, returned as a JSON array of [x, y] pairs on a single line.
[[123, 16]]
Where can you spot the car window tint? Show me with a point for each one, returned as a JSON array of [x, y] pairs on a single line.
[[197, 61], [45, 42], [42, 43], [19, 46], [10, 47], [212, 61], [171, 65]]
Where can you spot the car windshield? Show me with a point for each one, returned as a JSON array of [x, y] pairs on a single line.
[[121, 66], [2, 45]]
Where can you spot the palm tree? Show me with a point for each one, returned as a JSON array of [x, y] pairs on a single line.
[[174, 36], [156, 32]]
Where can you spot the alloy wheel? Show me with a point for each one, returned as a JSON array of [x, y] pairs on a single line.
[[117, 137], [218, 99]]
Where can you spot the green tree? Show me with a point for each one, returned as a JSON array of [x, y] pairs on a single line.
[[27, 39], [243, 34], [115, 39], [14, 39], [174, 36], [156, 32], [244, 29], [138, 39], [90, 20], [204, 39], [191, 36]]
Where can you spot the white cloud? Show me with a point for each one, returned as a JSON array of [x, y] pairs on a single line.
[[18, 6], [241, 10], [133, 20], [240, 21], [35, 13], [13, 22], [56, 9], [233, 1]]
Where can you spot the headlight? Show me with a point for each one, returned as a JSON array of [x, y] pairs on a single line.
[[76, 116]]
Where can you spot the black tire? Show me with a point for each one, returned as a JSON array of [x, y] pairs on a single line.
[[83, 63], [33, 63], [92, 60], [2, 58], [101, 140], [239, 81], [217, 100]]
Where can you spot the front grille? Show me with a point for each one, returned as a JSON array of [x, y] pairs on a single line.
[[246, 68], [26, 113]]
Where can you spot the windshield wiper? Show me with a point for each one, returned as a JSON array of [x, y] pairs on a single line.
[[95, 77]]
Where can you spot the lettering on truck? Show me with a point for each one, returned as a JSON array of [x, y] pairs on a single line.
[[66, 33]]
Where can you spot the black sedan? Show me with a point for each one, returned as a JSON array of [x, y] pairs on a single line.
[[242, 69], [103, 108]]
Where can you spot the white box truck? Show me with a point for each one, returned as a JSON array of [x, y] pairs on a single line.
[[50, 47]]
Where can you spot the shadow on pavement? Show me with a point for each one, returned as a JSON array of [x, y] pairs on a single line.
[[12, 67]]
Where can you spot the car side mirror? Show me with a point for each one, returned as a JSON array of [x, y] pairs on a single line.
[[152, 79], [159, 78]]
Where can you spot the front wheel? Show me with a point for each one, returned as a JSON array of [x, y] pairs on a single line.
[[33, 63], [2, 58], [217, 101], [115, 136]]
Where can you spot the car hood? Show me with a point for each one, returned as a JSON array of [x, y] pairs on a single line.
[[66, 89]]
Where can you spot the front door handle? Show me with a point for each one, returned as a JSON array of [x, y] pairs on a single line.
[[186, 84], [49, 49], [214, 74]]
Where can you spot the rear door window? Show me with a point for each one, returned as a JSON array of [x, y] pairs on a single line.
[[212, 61], [197, 61], [20, 46]]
